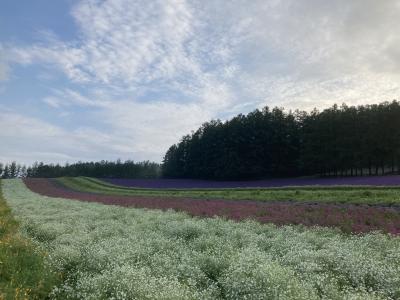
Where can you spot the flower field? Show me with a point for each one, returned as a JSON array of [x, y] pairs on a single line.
[[347, 217], [112, 252]]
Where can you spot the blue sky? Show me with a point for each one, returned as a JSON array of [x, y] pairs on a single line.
[[92, 80]]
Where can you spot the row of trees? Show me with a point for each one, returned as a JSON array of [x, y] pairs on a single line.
[[345, 140], [12, 170], [102, 169]]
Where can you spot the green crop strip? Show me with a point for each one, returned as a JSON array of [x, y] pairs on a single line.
[[23, 271], [350, 195]]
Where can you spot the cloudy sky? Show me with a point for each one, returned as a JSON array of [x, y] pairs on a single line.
[[108, 79]]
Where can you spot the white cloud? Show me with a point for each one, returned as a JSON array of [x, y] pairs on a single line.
[[152, 127], [305, 54], [146, 129], [67, 97], [135, 130], [122, 42], [39, 140], [138, 45]]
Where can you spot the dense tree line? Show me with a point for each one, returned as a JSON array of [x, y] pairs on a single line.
[[345, 140], [102, 169]]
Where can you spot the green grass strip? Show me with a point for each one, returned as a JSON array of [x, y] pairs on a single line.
[[350, 195], [23, 271], [283, 188]]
